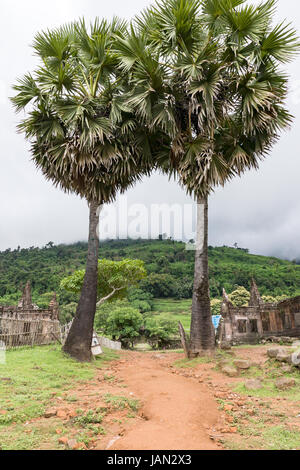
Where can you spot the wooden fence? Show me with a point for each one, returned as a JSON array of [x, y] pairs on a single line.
[[16, 333]]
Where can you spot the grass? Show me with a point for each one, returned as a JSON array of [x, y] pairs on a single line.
[[17, 437], [279, 438], [90, 417], [262, 437], [267, 429], [182, 306], [120, 402], [180, 309], [268, 375], [190, 363], [35, 376], [269, 390]]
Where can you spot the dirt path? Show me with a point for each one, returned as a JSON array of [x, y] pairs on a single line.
[[177, 412], [182, 406]]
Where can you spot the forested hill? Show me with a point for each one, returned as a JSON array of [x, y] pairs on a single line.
[[169, 265]]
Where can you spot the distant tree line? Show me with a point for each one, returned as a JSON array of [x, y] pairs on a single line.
[[168, 264]]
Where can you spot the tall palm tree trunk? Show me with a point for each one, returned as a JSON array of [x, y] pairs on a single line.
[[202, 339], [79, 340]]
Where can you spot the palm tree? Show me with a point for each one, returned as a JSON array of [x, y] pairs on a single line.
[[84, 138], [207, 73]]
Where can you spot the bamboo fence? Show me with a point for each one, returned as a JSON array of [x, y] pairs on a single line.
[[16, 333]]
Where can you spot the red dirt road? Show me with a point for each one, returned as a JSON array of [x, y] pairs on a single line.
[[177, 412]]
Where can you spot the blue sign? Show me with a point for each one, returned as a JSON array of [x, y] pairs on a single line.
[[216, 320]]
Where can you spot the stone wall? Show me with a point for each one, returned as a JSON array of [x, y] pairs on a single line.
[[259, 320]]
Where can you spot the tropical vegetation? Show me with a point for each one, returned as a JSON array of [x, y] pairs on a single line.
[[229, 267]]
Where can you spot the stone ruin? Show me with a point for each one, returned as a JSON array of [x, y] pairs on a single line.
[[27, 324], [258, 320]]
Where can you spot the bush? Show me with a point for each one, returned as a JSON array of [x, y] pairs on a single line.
[[160, 330], [124, 324], [104, 310], [142, 305], [135, 293]]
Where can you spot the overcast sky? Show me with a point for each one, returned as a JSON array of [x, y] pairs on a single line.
[[261, 211]]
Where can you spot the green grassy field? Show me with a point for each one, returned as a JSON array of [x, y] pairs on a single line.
[[180, 309], [28, 380]]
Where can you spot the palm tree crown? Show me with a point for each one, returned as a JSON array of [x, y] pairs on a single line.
[[208, 74], [83, 136]]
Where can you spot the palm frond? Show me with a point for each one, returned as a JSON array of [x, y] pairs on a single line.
[[282, 43], [28, 91]]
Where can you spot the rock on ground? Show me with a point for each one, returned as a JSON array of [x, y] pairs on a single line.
[[283, 356], [50, 413], [253, 384], [273, 352], [230, 371], [295, 358], [224, 363], [285, 383], [242, 364]]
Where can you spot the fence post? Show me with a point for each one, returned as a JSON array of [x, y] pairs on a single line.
[[184, 341]]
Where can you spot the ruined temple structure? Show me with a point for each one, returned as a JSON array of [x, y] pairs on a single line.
[[258, 320], [26, 324]]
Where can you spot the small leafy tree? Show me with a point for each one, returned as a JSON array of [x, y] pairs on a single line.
[[124, 324], [142, 305], [114, 278], [104, 310]]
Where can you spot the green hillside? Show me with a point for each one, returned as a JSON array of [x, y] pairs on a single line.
[[169, 265]]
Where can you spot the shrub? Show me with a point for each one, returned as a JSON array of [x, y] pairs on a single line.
[[142, 305], [160, 330], [124, 324], [103, 311]]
